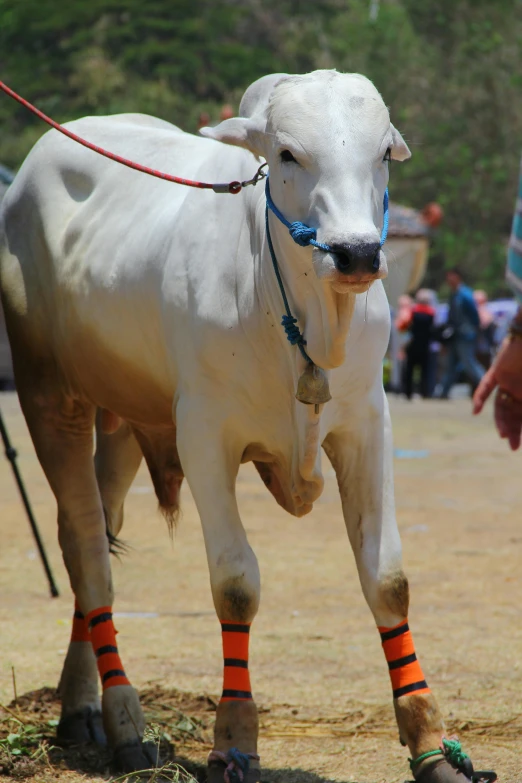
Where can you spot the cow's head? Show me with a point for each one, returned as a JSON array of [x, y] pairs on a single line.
[[328, 140]]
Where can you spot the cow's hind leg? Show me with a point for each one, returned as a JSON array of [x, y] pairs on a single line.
[[61, 426], [81, 717], [116, 460], [362, 459], [210, 464]]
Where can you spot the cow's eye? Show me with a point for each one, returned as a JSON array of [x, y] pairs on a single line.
[[287, 157], [387, 155]]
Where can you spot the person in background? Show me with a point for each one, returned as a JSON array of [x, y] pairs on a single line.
[[435, 345], [203, 119], [420, 329], [505, 374], [487, 328], [226, 112], [464, 322], [402, 321], [404, 307]]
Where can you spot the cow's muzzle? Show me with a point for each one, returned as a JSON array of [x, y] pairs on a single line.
[[358, 259]]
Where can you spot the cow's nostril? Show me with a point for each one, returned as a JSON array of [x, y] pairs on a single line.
[[343, 262]]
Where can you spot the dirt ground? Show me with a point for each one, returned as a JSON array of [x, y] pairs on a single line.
[[317, 667]]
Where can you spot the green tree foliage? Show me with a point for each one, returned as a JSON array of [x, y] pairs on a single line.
[[449, 70]]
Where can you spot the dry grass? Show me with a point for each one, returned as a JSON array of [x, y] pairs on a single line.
[[29, 749]]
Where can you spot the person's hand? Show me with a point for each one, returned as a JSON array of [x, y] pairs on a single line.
[[506, 374]]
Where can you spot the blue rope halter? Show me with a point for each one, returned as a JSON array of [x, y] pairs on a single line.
[[303, 235]]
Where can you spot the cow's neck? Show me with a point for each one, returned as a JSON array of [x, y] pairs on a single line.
[[324, 316]]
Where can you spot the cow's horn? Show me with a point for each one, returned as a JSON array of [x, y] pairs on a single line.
[[312, 387]]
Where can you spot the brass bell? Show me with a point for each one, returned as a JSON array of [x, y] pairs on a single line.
[[312, 387]]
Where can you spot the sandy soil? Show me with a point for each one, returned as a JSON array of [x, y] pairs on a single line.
[[317, 667]]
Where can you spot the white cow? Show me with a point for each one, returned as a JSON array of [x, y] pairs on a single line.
[[157, 305]]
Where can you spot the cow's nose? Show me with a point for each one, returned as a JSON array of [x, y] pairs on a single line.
[[360, 258]]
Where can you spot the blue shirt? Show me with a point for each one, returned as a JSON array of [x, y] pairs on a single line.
[[463, 313]]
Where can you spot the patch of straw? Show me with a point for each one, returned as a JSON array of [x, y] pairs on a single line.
[[168, 773]]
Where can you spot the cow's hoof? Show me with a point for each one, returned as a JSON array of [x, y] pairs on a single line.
[[233, 767], [442, 771], [83, 726], [135, 756]]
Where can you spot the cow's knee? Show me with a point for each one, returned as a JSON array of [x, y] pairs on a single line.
[[387, 595], [236, 599], [393, 594], [85, 551], [235, 585]]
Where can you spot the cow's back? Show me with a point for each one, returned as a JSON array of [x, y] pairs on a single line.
[[89, 244]]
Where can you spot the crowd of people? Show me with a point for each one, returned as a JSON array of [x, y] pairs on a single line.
[[469, 342], [436, 350]]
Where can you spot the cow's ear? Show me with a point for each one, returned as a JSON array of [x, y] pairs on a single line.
[[399, 150], [240, 131], [248, 130]]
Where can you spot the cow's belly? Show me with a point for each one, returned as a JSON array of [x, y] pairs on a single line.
[[131, 390]]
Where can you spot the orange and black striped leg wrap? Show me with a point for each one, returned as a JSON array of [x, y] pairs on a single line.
[[236, 678], [80, 627], [103, 638], [405, 670]]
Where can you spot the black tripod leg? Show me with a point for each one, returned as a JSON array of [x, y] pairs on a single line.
[[10, 453]]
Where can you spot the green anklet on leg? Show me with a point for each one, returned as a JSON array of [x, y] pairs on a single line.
[[415, 762]]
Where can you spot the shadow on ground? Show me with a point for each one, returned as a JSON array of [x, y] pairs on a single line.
[[293, 776], [180, 724]]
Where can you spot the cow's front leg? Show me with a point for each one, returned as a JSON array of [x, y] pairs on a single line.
[[210, 463], [362, 459]]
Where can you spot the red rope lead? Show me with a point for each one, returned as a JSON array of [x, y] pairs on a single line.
[[230, 187]]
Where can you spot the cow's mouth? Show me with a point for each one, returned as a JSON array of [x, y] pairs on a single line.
[[356, 284], [352, 288]]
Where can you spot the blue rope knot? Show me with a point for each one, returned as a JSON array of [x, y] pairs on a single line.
[[293, 334], [238, 765], [301, 233]]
